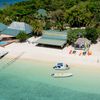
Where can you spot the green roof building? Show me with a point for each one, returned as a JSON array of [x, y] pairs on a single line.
[[15, 27], [82, 44], [53, 38], [42, 12], [11, 32]]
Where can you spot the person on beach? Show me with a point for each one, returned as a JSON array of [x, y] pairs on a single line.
[[97, 60]]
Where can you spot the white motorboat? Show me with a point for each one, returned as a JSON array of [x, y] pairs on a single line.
[[61, 66], [61, 75]]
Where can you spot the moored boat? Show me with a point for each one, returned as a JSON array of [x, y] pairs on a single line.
[[61, 75], [61, 66]]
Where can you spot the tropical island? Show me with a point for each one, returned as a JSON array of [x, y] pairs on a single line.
[[36, 36], [57, 14]]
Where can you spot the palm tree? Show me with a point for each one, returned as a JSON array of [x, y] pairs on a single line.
[[37, 27]]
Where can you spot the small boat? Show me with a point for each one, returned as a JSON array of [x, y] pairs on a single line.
[[61, 75], [2, 52], [61, 66]]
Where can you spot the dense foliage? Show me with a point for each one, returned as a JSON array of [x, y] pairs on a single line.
[[58, 14], [74, 12], [74, 34], [22, 36], [91, 34]]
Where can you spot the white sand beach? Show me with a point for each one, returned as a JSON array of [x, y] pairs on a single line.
[[31, 51]]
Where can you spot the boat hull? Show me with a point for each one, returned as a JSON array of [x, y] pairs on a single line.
[[61, 75]]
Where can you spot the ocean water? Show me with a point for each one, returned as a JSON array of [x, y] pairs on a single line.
[[31, 80], [2, 2]]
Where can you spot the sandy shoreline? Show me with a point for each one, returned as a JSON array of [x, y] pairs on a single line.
[[33, 52]]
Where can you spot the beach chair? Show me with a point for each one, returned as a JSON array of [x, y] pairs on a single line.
[[80, 53], [84, 53], [70, 51], [89, 53], [74, 52]]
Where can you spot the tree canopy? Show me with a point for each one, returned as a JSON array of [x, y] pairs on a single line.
[[73, 12], [59, 14]]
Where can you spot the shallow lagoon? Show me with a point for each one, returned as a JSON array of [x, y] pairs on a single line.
[[31, 80]]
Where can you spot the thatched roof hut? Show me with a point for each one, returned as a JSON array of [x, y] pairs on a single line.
[[82, 43]]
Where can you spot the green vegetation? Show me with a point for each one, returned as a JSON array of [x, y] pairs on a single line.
[[98, 31], [74, 34], [22, 36], [91, 34], [57, 14], [37, 27]]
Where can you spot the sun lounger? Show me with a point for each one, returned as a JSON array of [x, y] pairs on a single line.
[[89, 53], [84, 53], [70, 51], [80, 53], [74, 52]]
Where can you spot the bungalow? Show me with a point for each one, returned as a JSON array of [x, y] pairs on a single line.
[[3, 52], [53, 38], [15, 27], [82, 43], [2, 27]]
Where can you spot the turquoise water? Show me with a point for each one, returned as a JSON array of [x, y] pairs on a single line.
[[3, 42], [31, 80]]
